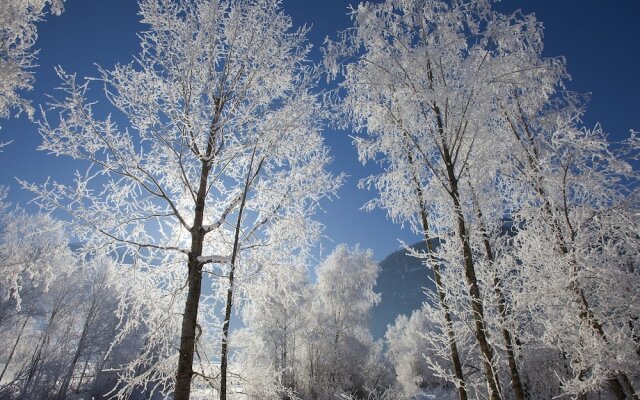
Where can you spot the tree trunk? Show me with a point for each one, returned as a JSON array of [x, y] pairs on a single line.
[[469, 268], [190, 316], [224, 357], [453, 346], [37, 354], [99, 367], [627, 385], [188, 332], [84, 370], [13, 349], [516, 383], [184, 374], [476, 304], [225, 340], [616, 389], [67, 379]]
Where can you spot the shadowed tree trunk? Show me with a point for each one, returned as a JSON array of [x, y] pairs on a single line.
[[435, 266], [516, 383], [84, 370], [184, 374]]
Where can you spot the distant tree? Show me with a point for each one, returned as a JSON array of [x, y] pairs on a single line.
[[271, 343], [221, 155], [65, 326], [33, 252], [95, 311], [406, 352], [340, 353], [32, 247]]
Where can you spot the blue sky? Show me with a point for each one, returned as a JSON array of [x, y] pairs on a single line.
[[599, 41]]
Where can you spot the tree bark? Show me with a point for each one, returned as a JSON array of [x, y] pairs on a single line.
[[453, 346], [516, 383], [469, 268], [184, 374], [627, 385], [190, 316]]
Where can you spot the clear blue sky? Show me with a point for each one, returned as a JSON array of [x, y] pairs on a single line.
[[599, 41]]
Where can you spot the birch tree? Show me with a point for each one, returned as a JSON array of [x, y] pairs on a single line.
[[426, 76], [579, 204], [459, 99], [217, 152]]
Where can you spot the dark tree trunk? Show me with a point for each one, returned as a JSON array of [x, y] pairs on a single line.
[[225, 341], [616, 389], [224, 357], [476, 303], [453, 346], [188, 332], [469, 268], [516, 383], [84, 370], [184, 375], [627, 385]]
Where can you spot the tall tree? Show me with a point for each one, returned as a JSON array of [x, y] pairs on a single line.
[[574, 178], [428, 74], [221, 149]]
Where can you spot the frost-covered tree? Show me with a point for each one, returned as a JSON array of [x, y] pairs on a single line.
[[18, 35], [420, 358], [62, 338], [33, 252], [471, 126], [339, 353], [575, 197], [219, 157], [270, 354], [31, 249], [312, 340], [406, 352], [426, 77]]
